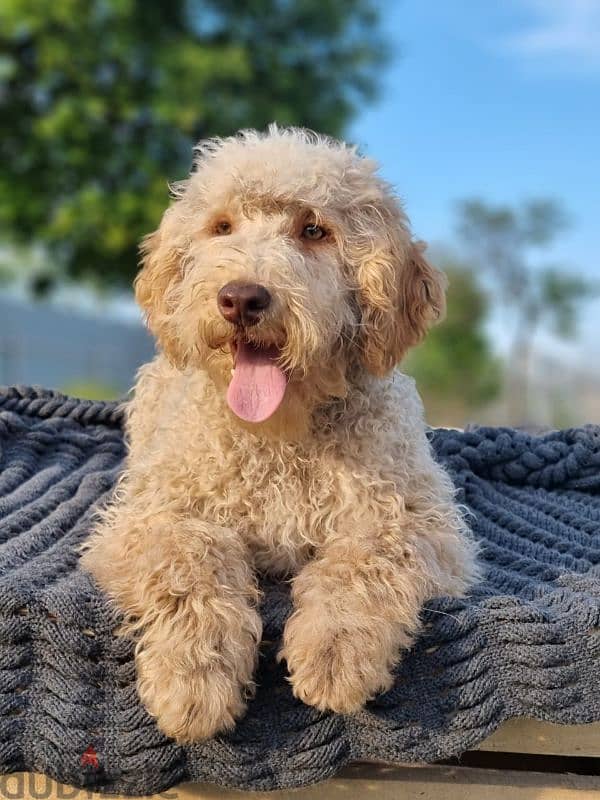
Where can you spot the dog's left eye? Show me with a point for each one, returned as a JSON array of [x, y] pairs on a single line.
[[222, 227], [313, 232]]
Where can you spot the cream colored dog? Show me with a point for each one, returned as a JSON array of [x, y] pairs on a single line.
[[270, 434]]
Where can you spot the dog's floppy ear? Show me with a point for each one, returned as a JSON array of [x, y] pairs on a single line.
[[160, 270], [400, 296]]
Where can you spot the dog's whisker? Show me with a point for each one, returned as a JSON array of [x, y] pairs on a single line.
[[442, 613]]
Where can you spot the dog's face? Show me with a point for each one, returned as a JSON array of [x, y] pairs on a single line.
[[283, 267]]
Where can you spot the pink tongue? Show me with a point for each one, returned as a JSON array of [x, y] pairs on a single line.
[[258, 384]]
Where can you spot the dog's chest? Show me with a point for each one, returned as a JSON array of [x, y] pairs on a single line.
[[282, 503]]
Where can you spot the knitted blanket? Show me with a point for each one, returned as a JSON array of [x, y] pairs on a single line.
[[525, 643]]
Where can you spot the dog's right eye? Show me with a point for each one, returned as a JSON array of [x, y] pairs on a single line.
[[313, 232], [222, 228]]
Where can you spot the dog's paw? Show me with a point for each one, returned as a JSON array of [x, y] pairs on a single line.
[[190, 708], [194, 704], [334, 669]]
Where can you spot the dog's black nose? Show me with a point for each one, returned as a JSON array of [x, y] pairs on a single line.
[[243, 303]]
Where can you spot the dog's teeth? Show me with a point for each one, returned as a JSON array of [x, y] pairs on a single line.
[[232, 370]]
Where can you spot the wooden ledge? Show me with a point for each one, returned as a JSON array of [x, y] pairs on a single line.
[[545, 738]]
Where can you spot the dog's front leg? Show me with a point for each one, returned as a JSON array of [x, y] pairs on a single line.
[[355, 607], [188, 592]]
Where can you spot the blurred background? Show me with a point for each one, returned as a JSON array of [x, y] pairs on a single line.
[[485, 116]]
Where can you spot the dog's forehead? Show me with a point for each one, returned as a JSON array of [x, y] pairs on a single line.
[[284, 171]]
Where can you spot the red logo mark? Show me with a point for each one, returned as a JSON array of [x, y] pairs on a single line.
[[90, 758]]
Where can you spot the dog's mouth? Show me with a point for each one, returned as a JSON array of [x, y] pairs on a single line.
[[258, 383]]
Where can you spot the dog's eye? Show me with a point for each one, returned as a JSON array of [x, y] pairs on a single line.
[[222, 227], [313, 232]]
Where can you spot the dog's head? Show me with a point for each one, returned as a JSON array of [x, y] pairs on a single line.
[[283, 268]]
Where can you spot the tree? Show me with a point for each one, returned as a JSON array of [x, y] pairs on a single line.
[[506, 244], [455, 369], [102, 101]]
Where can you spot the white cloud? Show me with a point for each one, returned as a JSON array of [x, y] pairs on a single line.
[[563, 33]]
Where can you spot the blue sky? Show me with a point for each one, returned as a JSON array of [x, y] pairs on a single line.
[[498, 100]]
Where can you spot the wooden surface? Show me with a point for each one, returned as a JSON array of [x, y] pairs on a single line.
[[360, 781], [530, 736], [402, 782]]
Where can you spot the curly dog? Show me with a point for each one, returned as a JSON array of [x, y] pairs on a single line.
[[270, 434]]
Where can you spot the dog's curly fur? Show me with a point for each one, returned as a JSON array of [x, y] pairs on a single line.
[[337, 490]]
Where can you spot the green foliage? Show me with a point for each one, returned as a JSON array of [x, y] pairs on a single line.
[[455, 370], [503, 242], [91, 390], [560, 295], [506, 245], [101, 102]]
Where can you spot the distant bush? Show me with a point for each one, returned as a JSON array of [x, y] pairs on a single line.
[[456, 370], [91, 390]]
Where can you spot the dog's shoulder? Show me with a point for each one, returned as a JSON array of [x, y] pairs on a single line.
[[392, 401], [379, 417], [164, 401]]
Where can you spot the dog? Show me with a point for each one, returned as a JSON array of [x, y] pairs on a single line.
[[271, 435]]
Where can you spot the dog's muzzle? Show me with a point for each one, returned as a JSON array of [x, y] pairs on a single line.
[[258, 383], [243, 304]]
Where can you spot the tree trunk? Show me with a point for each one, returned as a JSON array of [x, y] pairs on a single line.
[[517, 401]]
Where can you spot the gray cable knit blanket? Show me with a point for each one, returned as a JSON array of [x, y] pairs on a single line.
[[526, 643]]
